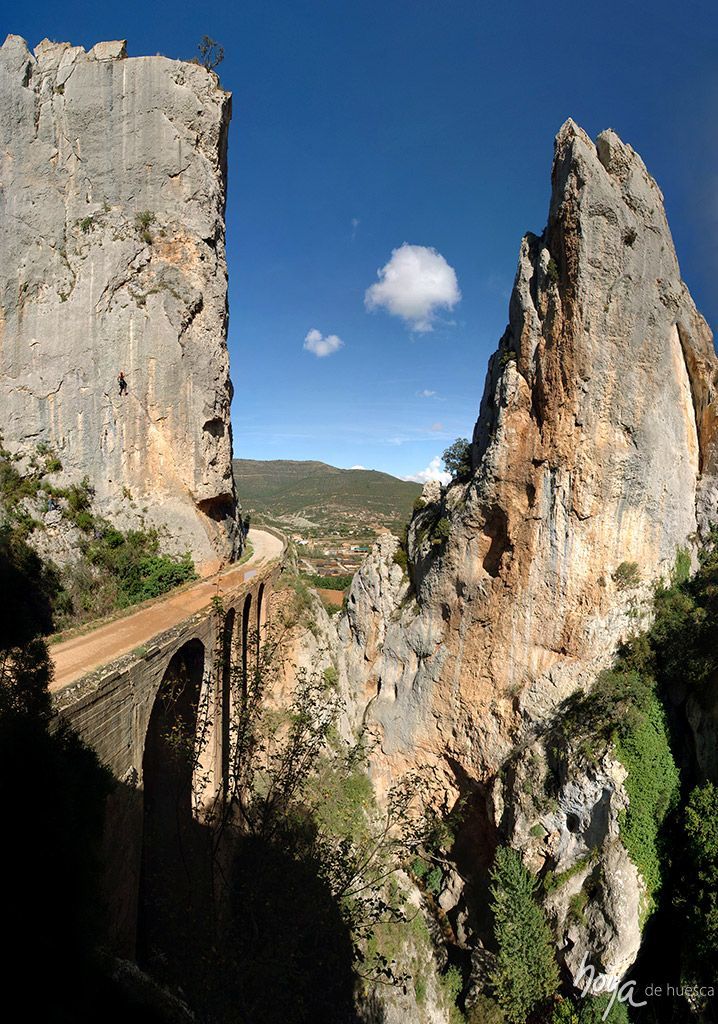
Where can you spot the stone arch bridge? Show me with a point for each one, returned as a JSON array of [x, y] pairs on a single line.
[[176, 678]]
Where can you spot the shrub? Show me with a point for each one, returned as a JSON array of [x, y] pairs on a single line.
[[419, 504], [330, 582], [552, 271], [507, 356], [79, 497], [564, 1012], [626, 576], [457, 459], [211, 54], [526, 974], [442, 531], [698, 891], [451, 984], [682, 568], [485, 1010], [84, 521], [330, 677], [143, 222], [652, 786], [595, 1010]]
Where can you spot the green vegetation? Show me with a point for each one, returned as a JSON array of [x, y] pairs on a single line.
[[697, 896], [329, 582], [451, 984], [526, 974], [113, 569], [143, 222], [116, 569], [457, 459], [309, 861], [552, 271], [623, 709], [485, 1010], [626, 706], [552, 881], [507, 356], [652, 785], [442, 531], [627, 576], [344, 502]]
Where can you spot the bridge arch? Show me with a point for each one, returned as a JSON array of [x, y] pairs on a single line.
[[170, 833]]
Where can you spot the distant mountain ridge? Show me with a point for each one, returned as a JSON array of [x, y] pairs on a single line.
[[323, 494]]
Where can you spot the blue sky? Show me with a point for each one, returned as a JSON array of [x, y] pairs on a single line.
[[361, 126]]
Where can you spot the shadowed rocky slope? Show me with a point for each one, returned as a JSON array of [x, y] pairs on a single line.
[[112, 192], [595, 448]]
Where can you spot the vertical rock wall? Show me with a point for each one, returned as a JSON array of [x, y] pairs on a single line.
[[595, 449], [112, 257]]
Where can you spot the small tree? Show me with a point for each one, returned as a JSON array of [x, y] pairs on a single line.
[[526, 974], [211, 54], [457, 459]]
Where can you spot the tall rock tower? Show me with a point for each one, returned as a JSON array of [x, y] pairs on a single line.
[[112, 256], [595, 460]]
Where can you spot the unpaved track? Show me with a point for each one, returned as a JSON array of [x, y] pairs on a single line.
[[76, 657]]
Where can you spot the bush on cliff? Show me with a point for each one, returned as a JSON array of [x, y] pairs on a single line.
[[697, 895], [526, 974], [457, 459]]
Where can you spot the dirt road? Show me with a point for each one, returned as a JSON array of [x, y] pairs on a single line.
[[79, 655]]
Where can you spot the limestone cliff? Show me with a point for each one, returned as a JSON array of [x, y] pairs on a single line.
[[112, 193], [595, 448]]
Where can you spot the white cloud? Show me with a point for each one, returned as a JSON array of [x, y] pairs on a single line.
[[315, 342], [357, 467], [432, 472], [437, 427], [415, 283], [426, 393]]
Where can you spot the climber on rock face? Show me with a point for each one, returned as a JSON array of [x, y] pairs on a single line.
[[122, 382]]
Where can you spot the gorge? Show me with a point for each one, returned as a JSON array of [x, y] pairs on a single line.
[[530, 667]]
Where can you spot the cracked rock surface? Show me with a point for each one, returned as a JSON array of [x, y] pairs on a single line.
[[112, 248]]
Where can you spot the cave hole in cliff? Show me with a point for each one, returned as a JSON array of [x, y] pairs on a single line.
[[172, 883], [496, 529], [215, 427], [218, 508]]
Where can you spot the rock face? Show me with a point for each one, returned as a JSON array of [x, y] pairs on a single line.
[[112, 185], [595, 448]]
